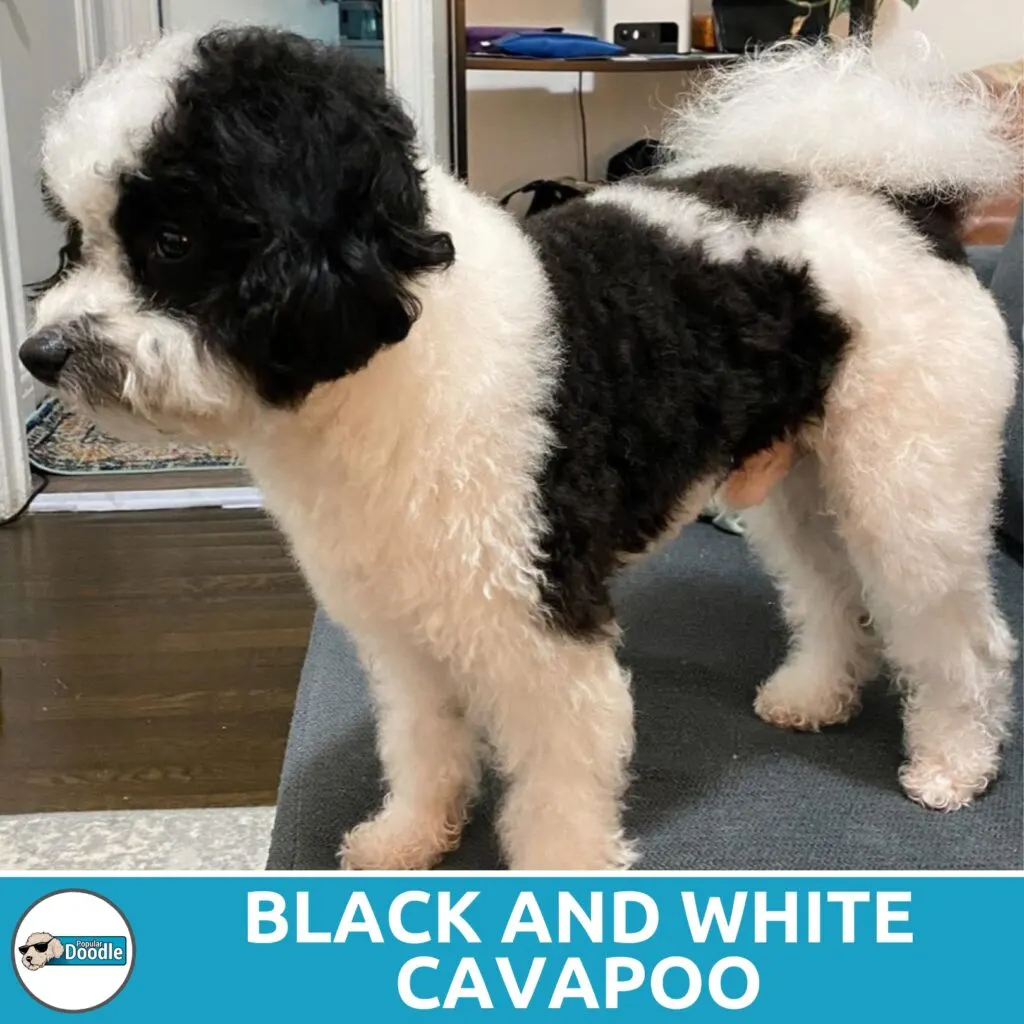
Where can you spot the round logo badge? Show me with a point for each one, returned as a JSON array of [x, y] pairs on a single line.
[[73, 950]]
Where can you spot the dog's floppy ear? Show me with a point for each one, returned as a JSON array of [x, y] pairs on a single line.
[[319, 308], [56, 949]]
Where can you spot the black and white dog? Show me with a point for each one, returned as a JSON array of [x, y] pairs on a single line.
[[466, 426]]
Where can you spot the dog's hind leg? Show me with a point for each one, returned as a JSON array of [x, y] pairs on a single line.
[[430, 756], [948, 643], [831, 654], [910, 456], [955, 661]]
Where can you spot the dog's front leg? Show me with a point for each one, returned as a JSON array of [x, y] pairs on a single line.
[[559, 716], [430, 759]]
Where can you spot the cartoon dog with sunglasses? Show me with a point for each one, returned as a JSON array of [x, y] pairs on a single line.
[[39, 949]]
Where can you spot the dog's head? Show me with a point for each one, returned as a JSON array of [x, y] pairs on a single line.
[[252, 218], [39, 949]]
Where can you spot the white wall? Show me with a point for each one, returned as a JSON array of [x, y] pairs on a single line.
[[969, 33]]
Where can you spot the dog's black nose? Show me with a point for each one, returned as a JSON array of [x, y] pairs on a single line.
[[44, 355]]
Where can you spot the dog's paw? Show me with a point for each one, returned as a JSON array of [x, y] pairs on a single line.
[[793, 699], [934, 783], [392, 841]]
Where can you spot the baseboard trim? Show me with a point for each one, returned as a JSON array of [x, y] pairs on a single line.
[[147, 501]]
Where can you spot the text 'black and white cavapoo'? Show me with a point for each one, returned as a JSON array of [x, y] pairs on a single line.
[[466, 425]]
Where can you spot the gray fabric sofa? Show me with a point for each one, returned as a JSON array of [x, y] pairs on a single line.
[[714, 787]]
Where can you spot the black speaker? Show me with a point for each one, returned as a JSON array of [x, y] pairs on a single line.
[[647, 26], [648, 36]]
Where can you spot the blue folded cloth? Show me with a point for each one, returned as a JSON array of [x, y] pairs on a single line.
[[555, 46]]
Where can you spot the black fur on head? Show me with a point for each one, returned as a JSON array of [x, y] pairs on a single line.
[[281, 209]]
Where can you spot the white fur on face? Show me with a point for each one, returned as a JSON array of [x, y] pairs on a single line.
[[142, 370], [98, 131], [140, 373]]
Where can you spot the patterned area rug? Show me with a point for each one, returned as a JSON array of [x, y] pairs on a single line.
[[59, 441]]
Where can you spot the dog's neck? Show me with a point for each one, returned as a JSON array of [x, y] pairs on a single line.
[[433, 413]]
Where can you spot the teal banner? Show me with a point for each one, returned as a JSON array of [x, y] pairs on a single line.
[[501, 947]]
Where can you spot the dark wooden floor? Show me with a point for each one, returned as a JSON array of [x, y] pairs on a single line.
[[146, 659]]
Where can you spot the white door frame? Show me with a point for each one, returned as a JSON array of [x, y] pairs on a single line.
[[89, 17], [16, 387], [14, 469], [127, 22], [416, 56], [102, 27]]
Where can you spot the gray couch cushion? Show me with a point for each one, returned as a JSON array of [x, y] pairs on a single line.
[[714, 788]]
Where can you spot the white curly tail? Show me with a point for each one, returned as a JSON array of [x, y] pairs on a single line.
[[846, 115]]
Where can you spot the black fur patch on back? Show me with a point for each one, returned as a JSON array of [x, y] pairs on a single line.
[[674, 367], [752, 196], [937, 221]]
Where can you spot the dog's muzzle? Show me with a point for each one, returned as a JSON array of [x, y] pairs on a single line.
[[76, 356]]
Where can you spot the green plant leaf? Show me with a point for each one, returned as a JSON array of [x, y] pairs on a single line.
[[912, 4]]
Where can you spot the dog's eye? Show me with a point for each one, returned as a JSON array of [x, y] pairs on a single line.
[[171, 243]]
